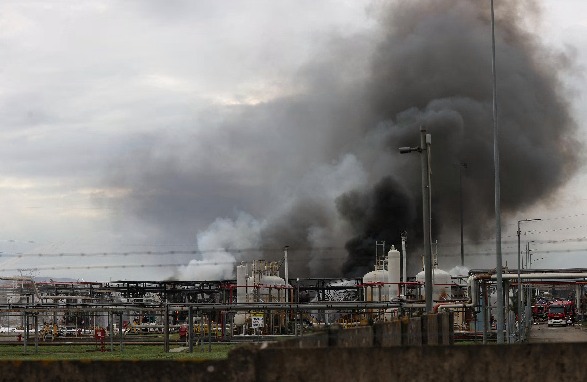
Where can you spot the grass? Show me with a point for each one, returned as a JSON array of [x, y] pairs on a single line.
[[129, 353]]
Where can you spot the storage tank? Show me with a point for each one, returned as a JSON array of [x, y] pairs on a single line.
[[441, 282], [241, 292], [393, 268], [472, 290], [241, 282], [272, 289], [376, 285]]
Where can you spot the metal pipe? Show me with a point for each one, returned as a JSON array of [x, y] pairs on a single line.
[[544, 275], [404, 257], [191, 330], [508, 319], [484, 311], [209, 335], [286, 271], [283, 306], [111, 325], [36, 323], [519, 276], [529, 318], [120, 332], [166, 329], [519, 282]]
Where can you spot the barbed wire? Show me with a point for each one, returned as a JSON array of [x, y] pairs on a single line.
[[268, 250], [208, 263], [507, 244], [162, 253]]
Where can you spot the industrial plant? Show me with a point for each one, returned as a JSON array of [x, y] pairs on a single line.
[[265, 302]]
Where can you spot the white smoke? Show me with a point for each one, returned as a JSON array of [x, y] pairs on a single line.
[[244, 234], [459, 270], [217, 261]]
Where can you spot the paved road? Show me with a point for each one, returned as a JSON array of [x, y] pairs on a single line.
[[542, 333]]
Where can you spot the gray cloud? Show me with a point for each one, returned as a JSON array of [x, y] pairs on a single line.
[[289, 114]]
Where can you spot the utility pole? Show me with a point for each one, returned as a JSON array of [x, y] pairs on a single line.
[[520, 279], [461, 167], [286, 273], [498, 267], [424, 150]]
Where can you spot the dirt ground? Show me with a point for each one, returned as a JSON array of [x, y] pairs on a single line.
[[543, 333]]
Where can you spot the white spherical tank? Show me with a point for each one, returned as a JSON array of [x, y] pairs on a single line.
[[441, 282], [272, 289], [376, 285], [393, 267]]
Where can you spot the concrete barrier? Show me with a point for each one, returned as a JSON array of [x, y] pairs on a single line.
[[414, 334], [313, 340], [432, 329], [428, 363], [447, 322], [389, 333], [354, 337], [480, 363], [359, 353], [433, 334]]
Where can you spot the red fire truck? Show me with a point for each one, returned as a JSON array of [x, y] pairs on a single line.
[[540, 312], [561, 312]]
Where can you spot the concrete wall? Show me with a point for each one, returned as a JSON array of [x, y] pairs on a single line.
[[430, 329], [537, 362], [392, 333], [351, 338], [525, 362]]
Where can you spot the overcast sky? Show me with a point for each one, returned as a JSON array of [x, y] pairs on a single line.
[[134, 127]]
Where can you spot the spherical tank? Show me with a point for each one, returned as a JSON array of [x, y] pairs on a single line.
[[376, 285], [441, 281]]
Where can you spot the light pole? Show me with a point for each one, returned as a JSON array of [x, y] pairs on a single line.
[[497, 199], [424, 150], [519, 276], [286, 272]]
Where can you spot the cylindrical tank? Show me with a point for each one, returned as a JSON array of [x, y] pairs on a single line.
[[440, 283], [472, 290], [376, 285], [241, 292], [393, 267], [241, 282]]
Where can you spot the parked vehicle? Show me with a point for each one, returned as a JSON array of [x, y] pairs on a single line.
[[561, 312], [540, 312]]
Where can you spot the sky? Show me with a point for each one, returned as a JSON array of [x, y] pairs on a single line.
[[149, 141]]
